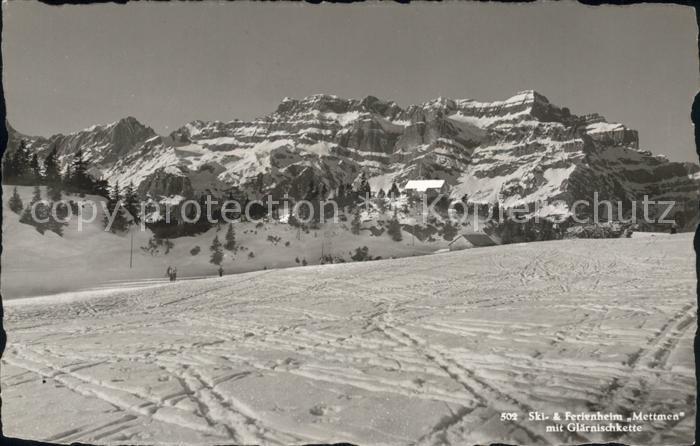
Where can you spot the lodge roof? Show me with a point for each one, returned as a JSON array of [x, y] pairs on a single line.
[[423, 185]]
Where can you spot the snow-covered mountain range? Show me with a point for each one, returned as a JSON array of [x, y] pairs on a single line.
[[519, 150]]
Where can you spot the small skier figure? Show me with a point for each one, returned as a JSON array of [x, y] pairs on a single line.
[[221, 271], [174, 278], [169, 273]]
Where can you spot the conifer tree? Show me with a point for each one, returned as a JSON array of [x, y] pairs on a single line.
[[363, 188], [115, 211], [16, 165], [259, 182], [79, 177], [51, 171], [15, 202], [8, 167], [130, 201], [230, 238], [312, 195], [394, 229], [355, 224], [22, 160], [217, 255], [496, 212], [67, 177], [52, 176], [394, 191], [100, 187], [35, 170]]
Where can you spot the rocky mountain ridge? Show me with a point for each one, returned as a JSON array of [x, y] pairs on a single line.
[[519, 150]]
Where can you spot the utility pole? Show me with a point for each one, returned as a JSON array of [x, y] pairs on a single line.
[[131, 250], [330, 244]]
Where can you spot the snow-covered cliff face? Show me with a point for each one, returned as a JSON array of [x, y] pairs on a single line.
[[102, 145], [521, 150]]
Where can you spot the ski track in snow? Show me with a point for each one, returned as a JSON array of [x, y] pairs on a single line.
[[426, 350]]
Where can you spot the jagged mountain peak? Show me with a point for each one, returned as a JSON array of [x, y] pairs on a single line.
[[328, 103], [318, 102], [526, 100], [528, 95], [129, 121], [127, 124], [440, 102], [102, 145]]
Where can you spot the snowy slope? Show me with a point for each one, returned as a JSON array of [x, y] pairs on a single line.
[[35, 264], [425, 350]]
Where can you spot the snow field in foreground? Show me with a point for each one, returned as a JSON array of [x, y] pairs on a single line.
[[422, 350]]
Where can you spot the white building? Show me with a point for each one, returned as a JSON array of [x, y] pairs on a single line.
[[425, 186]]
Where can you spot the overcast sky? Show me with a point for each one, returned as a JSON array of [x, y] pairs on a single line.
[[68, 67]]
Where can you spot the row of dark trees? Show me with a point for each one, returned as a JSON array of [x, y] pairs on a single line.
[[50, 214], [345, 194], [393, 192], [530, 230], [21, 167], [120, 205]]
